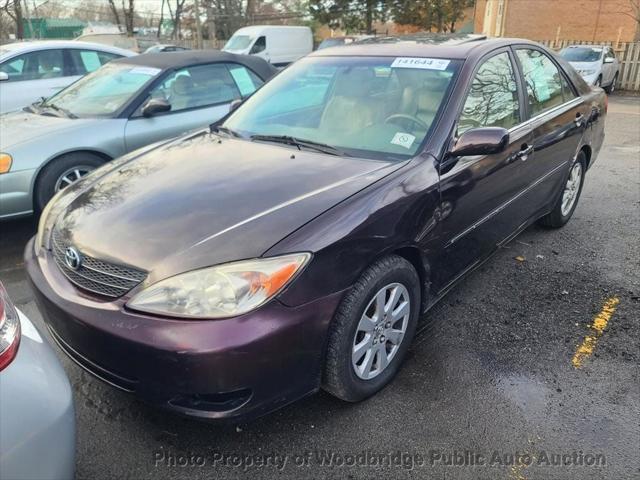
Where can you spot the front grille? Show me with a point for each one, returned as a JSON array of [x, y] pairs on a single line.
[[95, 275]]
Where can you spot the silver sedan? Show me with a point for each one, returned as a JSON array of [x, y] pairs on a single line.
[[38, 433], [125, 105]]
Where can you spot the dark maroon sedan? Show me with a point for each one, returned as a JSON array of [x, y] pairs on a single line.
[[295, 244]]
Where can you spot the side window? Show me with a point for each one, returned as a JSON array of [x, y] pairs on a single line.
[[543, 79], [493, 98], [87, 61], [260, 45], [39, 65], [246, 81], [195, 87]]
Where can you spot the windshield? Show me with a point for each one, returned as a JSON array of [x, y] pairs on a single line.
[[581, 54], [374, 107], [103, 92], [238, 42]]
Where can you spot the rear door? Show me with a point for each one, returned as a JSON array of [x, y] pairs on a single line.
[[198, 95], [558, 117], [479, 194]]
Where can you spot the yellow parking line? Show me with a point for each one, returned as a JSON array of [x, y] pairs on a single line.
[[600, 322]]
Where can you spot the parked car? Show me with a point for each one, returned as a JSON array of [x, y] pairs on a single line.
[[125, 105], [339, 41], [32, 70], [276, 44], [294, 244], [597, 64], [120, 40], [37, 438], [165, 48]]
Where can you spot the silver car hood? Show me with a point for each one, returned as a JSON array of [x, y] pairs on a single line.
[[19, 127], [585, 65]]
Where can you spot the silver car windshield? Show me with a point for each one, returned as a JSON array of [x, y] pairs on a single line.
[[374, 107], [581, 54], [103, 92]]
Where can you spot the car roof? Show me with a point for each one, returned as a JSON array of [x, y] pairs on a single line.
[[23, 47], [188, 58], [455, 46]]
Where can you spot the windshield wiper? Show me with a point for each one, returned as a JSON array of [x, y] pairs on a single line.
[[55, 107], [226, 130], [300, 142]]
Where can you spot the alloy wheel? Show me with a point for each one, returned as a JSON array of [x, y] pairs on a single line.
[[571, 189], [71, 175], [380, 331]]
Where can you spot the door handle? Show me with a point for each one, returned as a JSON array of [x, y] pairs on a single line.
[[524, 152], [579, 118]]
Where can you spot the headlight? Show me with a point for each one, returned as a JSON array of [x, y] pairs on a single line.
[[5, 162], [587, 72], [222, 291]]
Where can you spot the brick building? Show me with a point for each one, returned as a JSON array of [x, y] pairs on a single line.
[[583, 20]]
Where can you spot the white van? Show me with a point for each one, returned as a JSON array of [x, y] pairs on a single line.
[[278, 45]]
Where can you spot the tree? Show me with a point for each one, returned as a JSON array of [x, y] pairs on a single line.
[[350, 15], [176, 17], [13, 8], [129, 15], [438, 15], [632, 10]]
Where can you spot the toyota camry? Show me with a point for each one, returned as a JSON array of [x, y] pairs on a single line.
[[295, 244]]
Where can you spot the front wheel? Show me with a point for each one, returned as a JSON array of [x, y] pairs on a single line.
[[568, 200], [372, 330], [611, 88], [62, 172]]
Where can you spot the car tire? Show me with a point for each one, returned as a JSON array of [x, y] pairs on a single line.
[[598, 82], [571, 191], [340, 376], [611, 88], [61, 172]]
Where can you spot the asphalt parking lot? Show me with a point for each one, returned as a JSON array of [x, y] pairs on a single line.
[[533, 360]]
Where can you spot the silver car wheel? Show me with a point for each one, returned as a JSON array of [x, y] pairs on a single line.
[[71, 175], [380, 331], [571, 189]]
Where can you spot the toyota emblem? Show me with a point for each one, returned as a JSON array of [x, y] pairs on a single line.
[[72, 258]]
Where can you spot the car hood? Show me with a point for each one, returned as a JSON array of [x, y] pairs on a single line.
[[585, 65], [19, 127], [208, 200]]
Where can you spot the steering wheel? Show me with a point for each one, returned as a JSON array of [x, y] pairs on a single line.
[[404, 116]]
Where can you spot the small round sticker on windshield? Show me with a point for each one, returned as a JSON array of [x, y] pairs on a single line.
[[403, 139]]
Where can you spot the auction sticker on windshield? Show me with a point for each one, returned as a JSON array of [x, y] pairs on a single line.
[[418, 62], [403, 139]]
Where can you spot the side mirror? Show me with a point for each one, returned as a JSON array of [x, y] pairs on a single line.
[[481, 141], [608, 59], [235, 104], [4, 76], [154, 106]]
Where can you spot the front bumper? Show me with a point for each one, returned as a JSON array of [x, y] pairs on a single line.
[[15, 194], [236, 368], [37, 419]]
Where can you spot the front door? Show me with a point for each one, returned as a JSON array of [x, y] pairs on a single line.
[[478, 192], [199, 96]]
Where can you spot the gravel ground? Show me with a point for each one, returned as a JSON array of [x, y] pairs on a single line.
[[488, 391]]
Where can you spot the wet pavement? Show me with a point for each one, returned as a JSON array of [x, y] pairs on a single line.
[[489, 391]]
